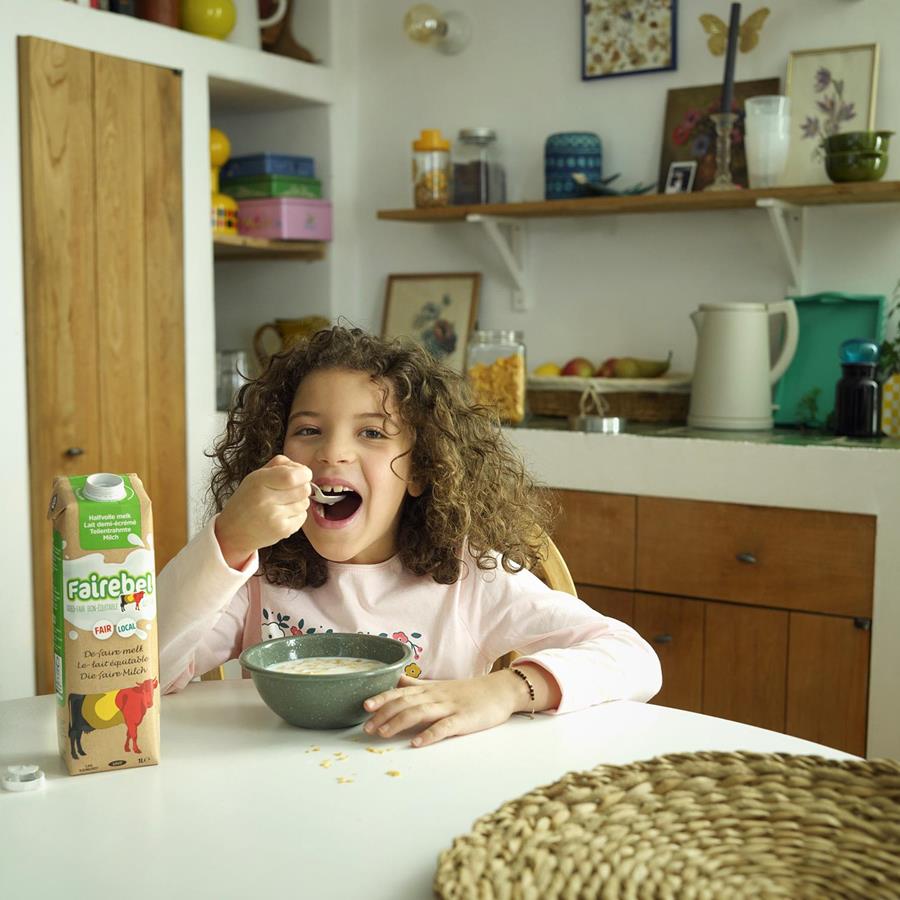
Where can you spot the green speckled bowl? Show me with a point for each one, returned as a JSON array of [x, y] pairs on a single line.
[[324, 701]]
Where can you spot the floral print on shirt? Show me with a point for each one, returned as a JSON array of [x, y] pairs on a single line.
[[275, 625]]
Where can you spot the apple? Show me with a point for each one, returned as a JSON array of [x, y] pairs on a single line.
[[607, 369], [579, 366]]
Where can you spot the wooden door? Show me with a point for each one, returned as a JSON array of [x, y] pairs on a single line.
[[674, 628], [745, 664], [827, 681], [104, 305]]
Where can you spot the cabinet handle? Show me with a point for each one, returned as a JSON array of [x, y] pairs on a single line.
[[663, 639], [74, 451], [862, 623], [748, 558]]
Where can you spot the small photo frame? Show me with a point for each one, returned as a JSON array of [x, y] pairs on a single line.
[[436, 310], [831, 90], [680, 179], [616, 41]]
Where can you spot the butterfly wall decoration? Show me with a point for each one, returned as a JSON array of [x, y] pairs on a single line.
[[748, 36]]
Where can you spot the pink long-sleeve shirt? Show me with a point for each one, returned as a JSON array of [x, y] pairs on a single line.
[[209, 613]]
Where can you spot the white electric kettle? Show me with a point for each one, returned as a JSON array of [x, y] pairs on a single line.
[[732, 384]]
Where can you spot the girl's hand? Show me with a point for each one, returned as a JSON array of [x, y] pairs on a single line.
[[447, 707], [268, 505]]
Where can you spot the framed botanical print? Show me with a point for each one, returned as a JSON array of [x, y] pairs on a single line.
[[436, 310], [831, 90], [627, 38]]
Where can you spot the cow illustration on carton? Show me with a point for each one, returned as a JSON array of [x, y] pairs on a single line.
[[126, 706]]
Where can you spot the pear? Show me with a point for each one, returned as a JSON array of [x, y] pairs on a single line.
[[630, 367]]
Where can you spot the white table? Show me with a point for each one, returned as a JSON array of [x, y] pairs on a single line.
[[238, 807]]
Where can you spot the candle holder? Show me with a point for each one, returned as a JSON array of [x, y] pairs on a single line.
[[724, 123]]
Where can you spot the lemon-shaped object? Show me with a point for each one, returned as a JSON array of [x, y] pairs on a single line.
[[547, 369], [212, 18]]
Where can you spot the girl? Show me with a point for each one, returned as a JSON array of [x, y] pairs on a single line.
[[430, 545]]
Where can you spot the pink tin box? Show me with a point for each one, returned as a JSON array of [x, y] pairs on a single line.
[[287, 218]]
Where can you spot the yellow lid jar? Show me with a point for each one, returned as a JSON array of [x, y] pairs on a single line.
[[431, 169], [495, 366]]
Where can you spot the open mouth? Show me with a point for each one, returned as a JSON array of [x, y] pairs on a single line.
[[348, 504]]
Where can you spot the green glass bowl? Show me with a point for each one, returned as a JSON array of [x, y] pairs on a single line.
[[866, 166], [324, 701], [858, 141]]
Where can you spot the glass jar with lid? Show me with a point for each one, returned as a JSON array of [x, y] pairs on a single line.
[[478, 175], [495, 365], [431, 169]]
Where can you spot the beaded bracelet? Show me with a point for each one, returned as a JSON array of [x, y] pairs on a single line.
[[530, 687]]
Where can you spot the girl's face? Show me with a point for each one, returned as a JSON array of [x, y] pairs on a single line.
[[342, 428]]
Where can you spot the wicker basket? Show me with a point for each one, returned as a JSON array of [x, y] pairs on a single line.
[[640, 400], [690, 826], [638, 406]]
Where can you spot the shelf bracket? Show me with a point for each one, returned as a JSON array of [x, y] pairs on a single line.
[[511, 248], [787, 218]]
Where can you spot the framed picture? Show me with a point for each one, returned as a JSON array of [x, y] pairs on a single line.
[[831, 90], [680, 179], [627, 38], [438, 311], [690, 135]]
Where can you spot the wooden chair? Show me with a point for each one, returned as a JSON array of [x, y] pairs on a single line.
[[553, 571]]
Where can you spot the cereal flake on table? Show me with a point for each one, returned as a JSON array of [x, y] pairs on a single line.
[[313, 750], [393, 773], [379, 749], [326, 763], [343, 779]]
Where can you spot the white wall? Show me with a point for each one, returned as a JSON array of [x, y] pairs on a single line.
[[607, 286]]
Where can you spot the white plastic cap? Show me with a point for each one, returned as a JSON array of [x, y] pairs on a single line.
[[104, 486], [23, 778]]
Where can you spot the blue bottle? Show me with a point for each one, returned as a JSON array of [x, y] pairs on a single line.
[[857, 396]]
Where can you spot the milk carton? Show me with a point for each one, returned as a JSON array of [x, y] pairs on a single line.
[[104, 623]]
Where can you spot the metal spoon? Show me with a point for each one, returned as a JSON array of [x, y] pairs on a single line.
[[321, 497]]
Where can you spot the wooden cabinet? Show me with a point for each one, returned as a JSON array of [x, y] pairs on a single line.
[[595, 534], [745, 664], [789, 558], [828, 680], [104, 308], [674, 628], [758, 614]]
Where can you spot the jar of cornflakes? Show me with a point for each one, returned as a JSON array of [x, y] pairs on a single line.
[[431, 169], [496, 370]]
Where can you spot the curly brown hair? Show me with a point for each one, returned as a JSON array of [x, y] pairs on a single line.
[[477, 491]]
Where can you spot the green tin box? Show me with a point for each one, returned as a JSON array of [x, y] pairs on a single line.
[[258, 187]]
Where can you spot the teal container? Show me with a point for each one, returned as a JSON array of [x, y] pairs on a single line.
[[826, 320]]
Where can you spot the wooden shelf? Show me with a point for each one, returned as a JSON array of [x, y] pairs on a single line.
[[239, 246], [812, 195]]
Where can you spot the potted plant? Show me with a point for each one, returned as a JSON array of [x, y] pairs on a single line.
[[889, 370]]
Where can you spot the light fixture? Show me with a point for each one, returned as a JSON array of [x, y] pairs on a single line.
[[447, 32]]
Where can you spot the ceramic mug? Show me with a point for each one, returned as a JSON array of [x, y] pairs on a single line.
[[246, 29], [286, 333]]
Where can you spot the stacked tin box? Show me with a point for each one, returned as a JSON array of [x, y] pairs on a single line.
[[278, 197]]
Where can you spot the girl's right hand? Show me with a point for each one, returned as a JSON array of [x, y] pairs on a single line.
[[269, 504]]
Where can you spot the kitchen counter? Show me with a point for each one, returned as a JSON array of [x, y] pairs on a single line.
[[783, 469], [798, 437]]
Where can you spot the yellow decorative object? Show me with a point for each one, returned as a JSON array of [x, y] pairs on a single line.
[[211, 18], [890, 406], [223, 210], [748, 34]]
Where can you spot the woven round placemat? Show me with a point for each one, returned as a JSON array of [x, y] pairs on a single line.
[[690, 825]]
